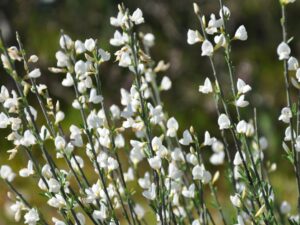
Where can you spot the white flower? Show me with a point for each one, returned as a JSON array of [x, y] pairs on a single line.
[[125, 59], [90, 44], [207, 48], [32, 111], [208, 141], [156, 114], [46, 171], [57, 222], [31, 217], [293, 63], [173, 171], [100, 214], [4, 94], [59, 117], [150, 193], [148, 40], [137, 17], [136, 153], [217, 158], [283, 51], [145, 182], [242, 87], [60, 143], [177, 155], [119, 141], [112, 164], [33, 59], [288, 134], [172, 126], [93, 120], [118, 39], [35, 73], [26, 172], [17, 209], [187, 138], [224, 122], [241, 33], [225, 10], [105, 55], [5, 61], [115, 111], [206, 87], [62, 59], [196, 222], [65, 42], [199, 173], [213, 24], [193, 37], [118, 21], [28, 139], [286, 115], [57, 201], [129, 175], [192, 159], [220, 40], [165, 84], [298, 74], [240, 220], [240, 102], [4, 120], [217, 146], [54, 185], [6, 173], [297, 144], [155, 162], [189, 192], [94, 98], [238, 159], [79, 47], [235, 200], [285, 207], [242, 127], [80, 67], [139, 211], [68, 81]]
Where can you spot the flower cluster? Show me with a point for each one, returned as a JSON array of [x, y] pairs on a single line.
[[142, 161]]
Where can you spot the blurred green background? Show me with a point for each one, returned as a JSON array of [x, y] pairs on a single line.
[[39, 24]]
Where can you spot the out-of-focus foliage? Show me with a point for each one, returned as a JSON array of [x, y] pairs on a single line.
[[39, 23]]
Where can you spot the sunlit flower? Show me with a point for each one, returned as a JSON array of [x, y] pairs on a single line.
[[286, 115], [283, 51], [242, 87], [241, 102], [137, 17], [293, 63], [90, 44], [241, 33], [207, 48], [172, 126], [6, 173], [187, 138], [35, 73], [224, 122], [193, 36], [26, 172], [32, 217], [235, 200], [206, 87]]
